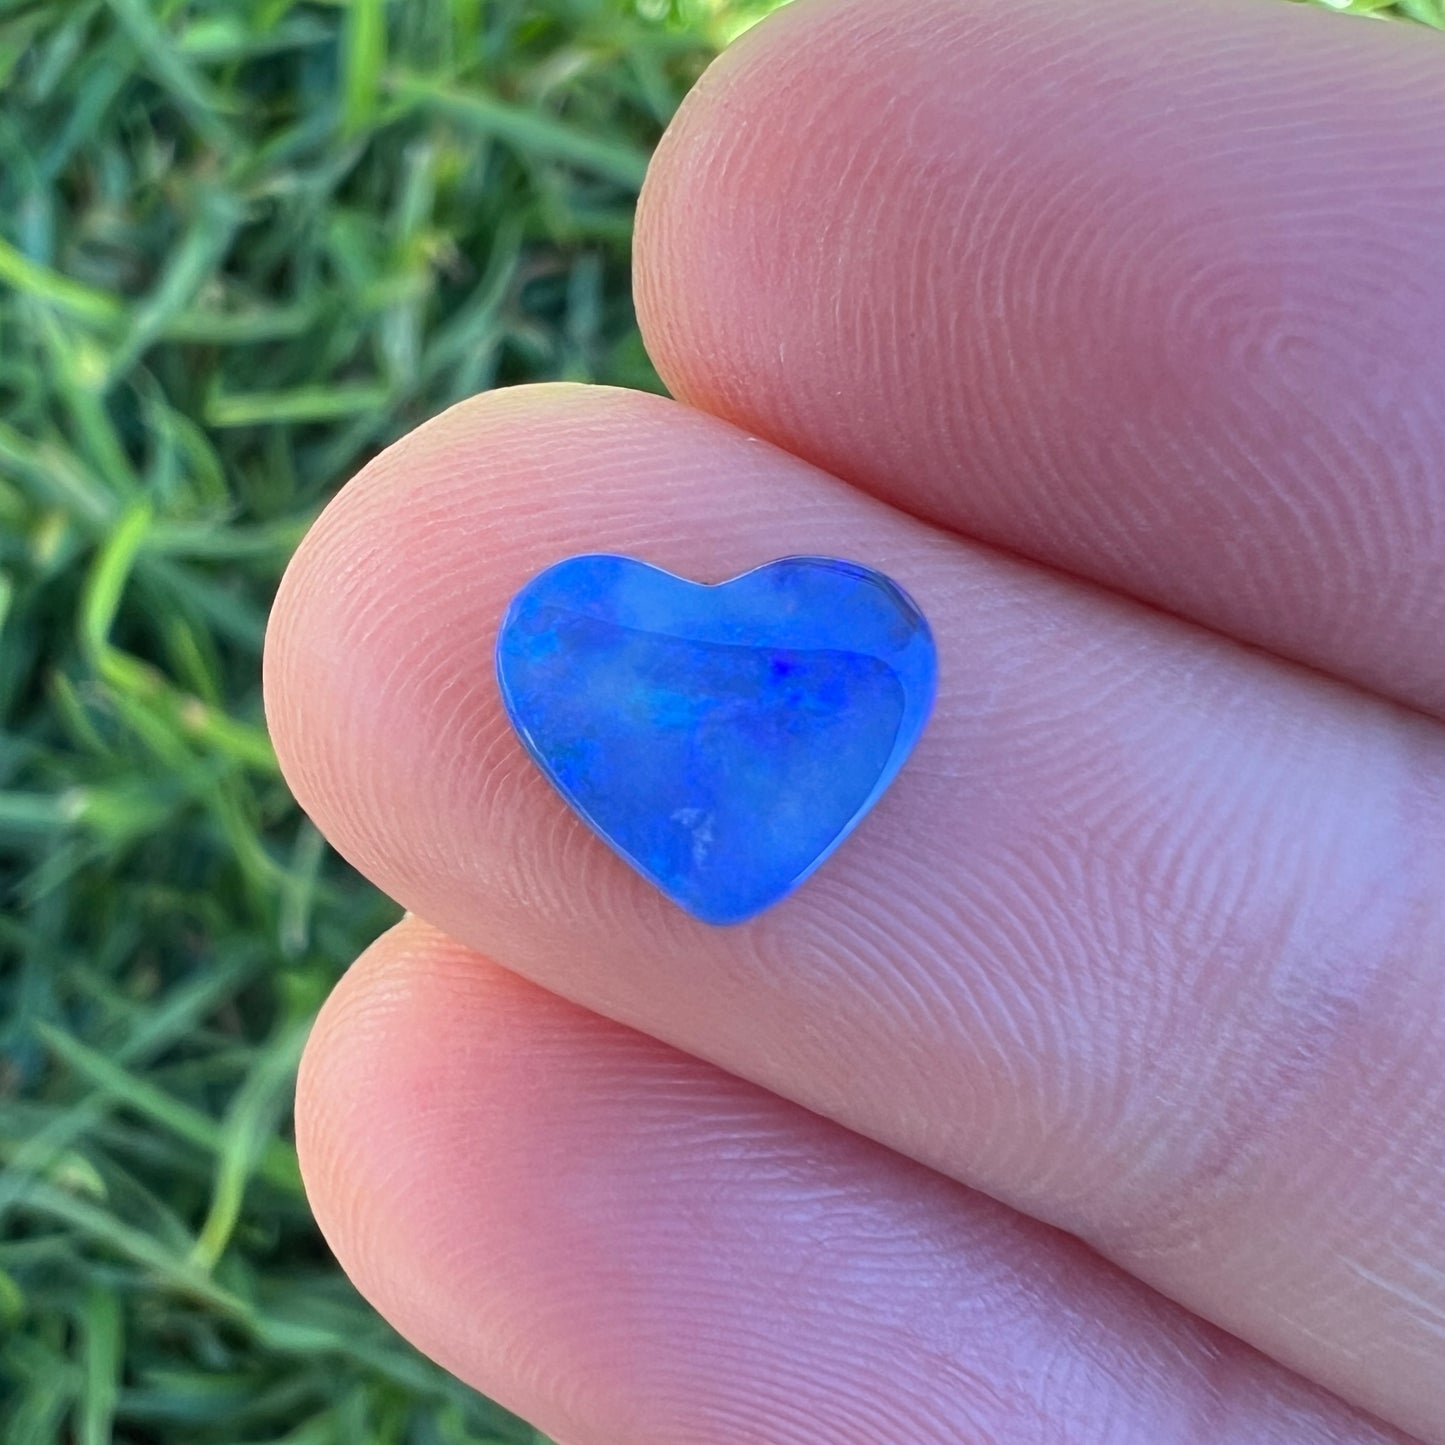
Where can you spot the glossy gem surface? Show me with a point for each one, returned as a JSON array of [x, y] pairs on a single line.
[[722, 738]]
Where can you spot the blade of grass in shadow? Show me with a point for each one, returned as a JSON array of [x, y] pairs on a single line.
[[245, 1141], [275, 1163]]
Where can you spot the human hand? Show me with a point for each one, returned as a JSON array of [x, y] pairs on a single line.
[[1148, 939]]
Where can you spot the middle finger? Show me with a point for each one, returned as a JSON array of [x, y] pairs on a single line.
[[1140, 942]]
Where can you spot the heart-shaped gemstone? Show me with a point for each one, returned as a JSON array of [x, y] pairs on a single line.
[[725, 738]]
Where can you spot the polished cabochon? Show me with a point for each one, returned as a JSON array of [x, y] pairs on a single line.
[[723, 738]]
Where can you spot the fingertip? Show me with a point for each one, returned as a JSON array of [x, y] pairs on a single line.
[[1145, 292], [360, 1092], [433, 1095], [414, 556]]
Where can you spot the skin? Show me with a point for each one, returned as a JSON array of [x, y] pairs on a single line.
[[1093, 1090]]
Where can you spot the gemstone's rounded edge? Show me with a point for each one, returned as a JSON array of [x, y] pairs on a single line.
[[903, 745], [514, 609], [917, 669]]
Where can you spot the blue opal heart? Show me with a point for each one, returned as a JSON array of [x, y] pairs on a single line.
[[723, 739]]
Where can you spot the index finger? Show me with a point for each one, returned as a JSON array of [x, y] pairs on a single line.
[[1148, 292]]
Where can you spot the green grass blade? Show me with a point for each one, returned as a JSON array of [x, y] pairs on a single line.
[[277, 1161], [365, 55], [528, 131], [160, 54], [191, 266], [246, 1140], [291, 408], [108, 579], [104, 1353], [97, 1225], [38, 282]]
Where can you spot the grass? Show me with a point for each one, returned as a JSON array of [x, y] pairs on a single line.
[[1427, 12], [243, 245]]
